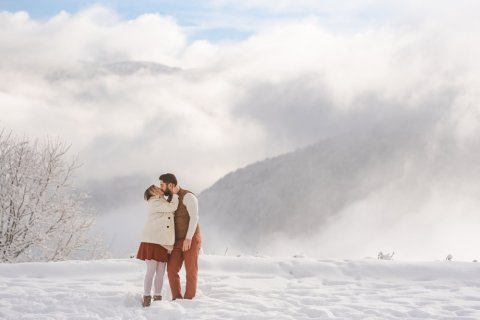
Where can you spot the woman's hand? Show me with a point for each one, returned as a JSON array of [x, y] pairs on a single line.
[[176, 189], [173, 189]]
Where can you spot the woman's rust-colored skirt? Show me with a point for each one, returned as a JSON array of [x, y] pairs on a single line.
[[152, 251]]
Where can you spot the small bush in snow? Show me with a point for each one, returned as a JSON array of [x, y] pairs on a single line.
[[449, 257], [385, 256]]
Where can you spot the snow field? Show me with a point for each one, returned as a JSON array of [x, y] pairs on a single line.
[[246, 287]]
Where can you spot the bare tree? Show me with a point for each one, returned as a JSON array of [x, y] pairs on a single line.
[[42, 218]]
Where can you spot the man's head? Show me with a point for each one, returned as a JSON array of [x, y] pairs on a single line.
[[167, 182]]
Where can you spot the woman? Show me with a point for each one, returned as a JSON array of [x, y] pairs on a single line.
[[157, 240]]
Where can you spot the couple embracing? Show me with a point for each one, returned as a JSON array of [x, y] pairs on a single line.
[[171, 237]]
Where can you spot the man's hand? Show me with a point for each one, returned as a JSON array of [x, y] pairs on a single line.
[[186, 245]]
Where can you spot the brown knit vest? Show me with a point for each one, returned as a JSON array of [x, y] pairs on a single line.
[[182, 218]]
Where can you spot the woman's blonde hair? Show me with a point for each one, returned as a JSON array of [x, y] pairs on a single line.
[[150, 192]]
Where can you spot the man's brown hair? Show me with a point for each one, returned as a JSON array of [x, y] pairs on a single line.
[[169, 178]]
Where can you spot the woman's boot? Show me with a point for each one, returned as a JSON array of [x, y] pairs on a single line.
[[147, 300]]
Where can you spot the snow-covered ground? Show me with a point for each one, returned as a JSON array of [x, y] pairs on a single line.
[[246, 288]]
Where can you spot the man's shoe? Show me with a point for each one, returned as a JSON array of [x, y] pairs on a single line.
[[147, 300], [155, 298]]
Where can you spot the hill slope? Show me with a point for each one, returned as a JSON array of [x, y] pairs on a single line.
[[356, 191]]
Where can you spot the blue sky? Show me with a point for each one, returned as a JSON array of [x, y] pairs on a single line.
[[129, 9], [217, 21], [196, 14]]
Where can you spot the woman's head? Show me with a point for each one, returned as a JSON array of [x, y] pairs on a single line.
[[151, 191]]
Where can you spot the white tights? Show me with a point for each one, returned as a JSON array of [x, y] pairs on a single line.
[[156, 268]]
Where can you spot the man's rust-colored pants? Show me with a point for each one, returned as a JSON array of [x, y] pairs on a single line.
[[174, 265]]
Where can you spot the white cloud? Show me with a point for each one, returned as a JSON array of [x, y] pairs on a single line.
[[95, 34], [231, 102]]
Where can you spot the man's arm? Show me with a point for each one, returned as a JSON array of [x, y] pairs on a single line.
[[191, 202]]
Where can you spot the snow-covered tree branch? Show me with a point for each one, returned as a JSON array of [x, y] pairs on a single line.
[[42, 218]]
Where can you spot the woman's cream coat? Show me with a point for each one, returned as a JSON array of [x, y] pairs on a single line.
[[160, 227]]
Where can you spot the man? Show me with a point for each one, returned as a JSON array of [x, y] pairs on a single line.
[[187, 239]]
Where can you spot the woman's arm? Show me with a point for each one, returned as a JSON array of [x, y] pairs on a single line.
[[165, 206]]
